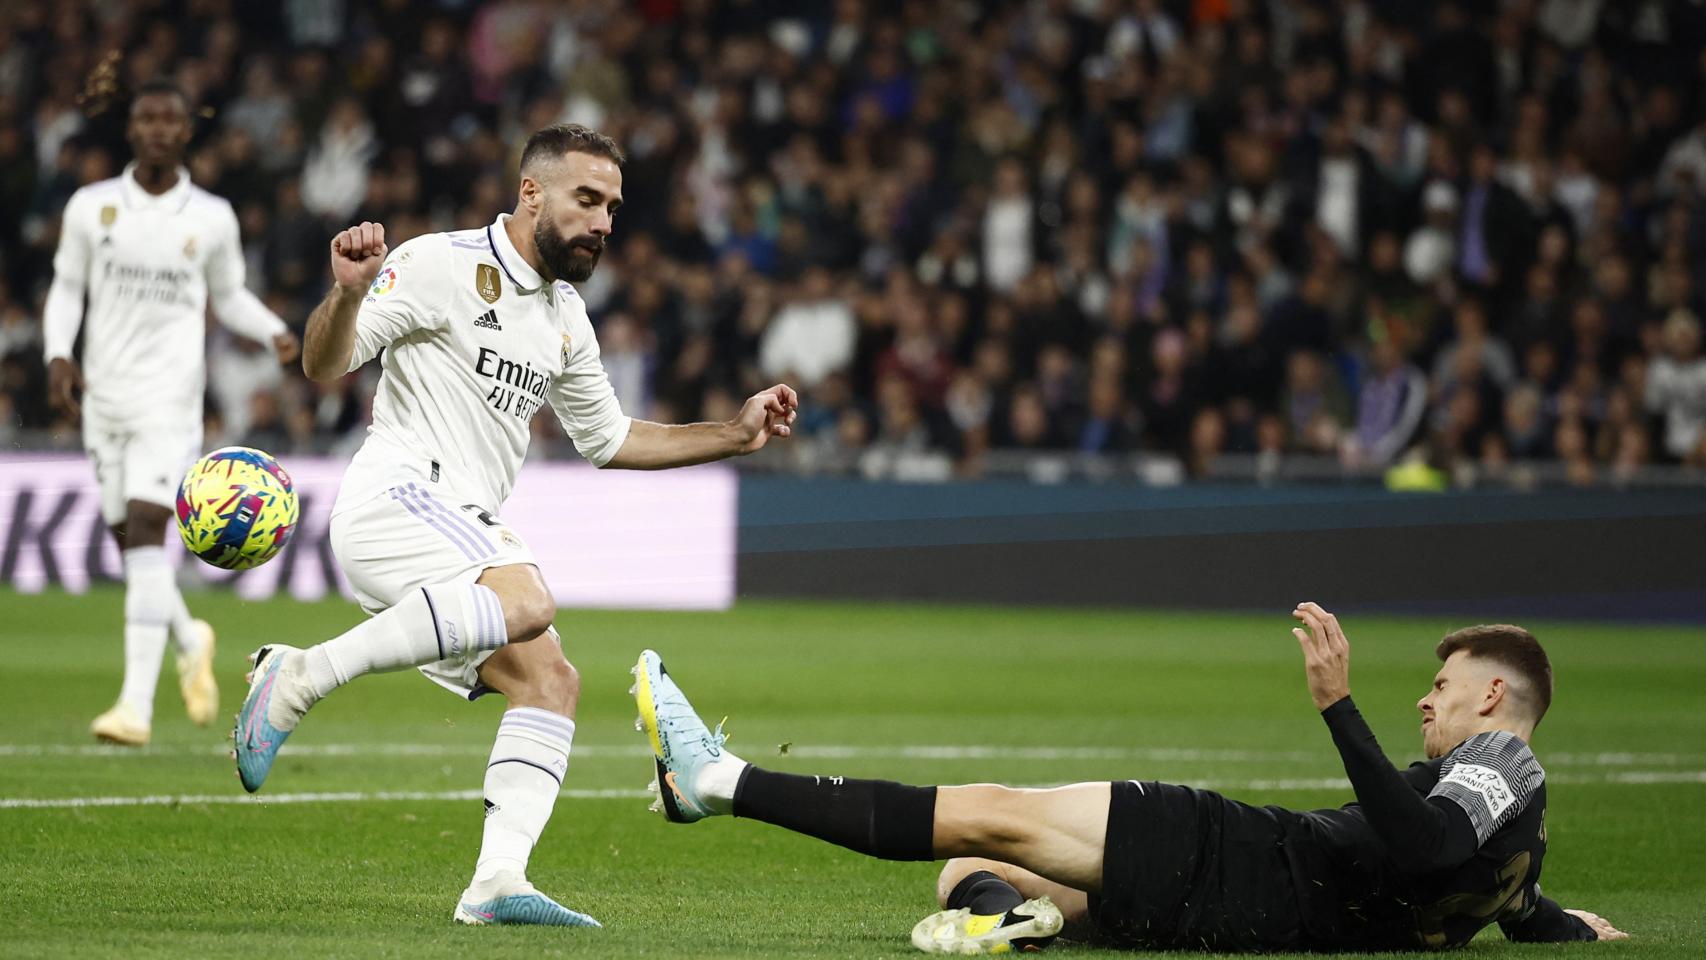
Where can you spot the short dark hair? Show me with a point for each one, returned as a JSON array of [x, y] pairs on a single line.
[[560, 138], [1508, 646], [161, 85]]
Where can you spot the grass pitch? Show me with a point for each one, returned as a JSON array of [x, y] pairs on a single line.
[[326, 864]]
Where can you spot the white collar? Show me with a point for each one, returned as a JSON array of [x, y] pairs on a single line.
[[135, 196], [515, 266]]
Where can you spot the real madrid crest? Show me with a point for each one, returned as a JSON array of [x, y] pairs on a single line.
[[108, 215], [565, 351], [486, 283], [189, 249]]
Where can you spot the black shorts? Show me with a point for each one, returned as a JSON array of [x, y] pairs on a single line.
[[1187, 869]]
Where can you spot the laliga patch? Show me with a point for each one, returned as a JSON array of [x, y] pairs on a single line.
[[1488, 783], [384, 283]]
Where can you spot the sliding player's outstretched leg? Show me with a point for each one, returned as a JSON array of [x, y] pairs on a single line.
[[694, 778], [1056, 835], [523, 778]]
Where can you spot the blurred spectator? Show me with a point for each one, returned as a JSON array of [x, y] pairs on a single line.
[[812, 337], [1676, 386], [1394, 398], [1164, 228]]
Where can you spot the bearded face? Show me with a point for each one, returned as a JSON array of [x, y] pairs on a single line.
[[570, 257]]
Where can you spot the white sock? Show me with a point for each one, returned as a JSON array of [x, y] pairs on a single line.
[[717, 782], [443, 621], [184, 634], [529, 759], [147, 610]]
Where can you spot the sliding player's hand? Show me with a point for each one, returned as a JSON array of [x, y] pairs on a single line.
[[768, 413], [64, 385], [357, 254], [1326, 654], [1601, 927]]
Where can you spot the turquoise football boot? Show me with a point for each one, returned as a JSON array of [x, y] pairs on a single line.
[[682, 746], [278, 697], [526, 906]]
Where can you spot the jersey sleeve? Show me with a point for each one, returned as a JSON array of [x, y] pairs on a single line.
[[1491, 776], [236, 308], [225, 268], [1543, 921], [1422, 834], [62, 314], [586, 404], [411, 292]]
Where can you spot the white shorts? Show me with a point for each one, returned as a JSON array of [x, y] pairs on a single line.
[[143, 462], [414, 535]]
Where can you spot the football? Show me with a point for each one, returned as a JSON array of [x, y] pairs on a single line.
[[236, 508]]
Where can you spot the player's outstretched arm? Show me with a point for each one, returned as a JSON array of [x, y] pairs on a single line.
[[1546, 922], [656, 446], [1423, 835], [329, 341], [62, 315]]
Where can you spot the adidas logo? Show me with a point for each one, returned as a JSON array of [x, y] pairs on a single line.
[[488, 320]]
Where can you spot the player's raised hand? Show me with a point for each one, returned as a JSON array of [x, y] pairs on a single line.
[[1326, 654], [767, 413], [1601, 927], [64, 385], [357, 254]]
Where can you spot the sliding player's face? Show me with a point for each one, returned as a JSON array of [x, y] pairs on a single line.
[[1451, 710], [159, 129], [579, 197]]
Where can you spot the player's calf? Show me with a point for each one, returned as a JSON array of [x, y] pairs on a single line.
[[530, 758]]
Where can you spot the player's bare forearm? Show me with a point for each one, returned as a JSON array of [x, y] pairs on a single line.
[[656, 446], [660, 446], [329, 341]]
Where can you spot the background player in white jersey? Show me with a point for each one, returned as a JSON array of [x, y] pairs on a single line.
[[151, 251], [478, 329]]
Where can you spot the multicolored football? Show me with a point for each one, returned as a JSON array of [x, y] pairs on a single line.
[[236, 508]]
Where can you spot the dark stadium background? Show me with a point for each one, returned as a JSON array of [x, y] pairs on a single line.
[[1145, 244], [1121, 327]]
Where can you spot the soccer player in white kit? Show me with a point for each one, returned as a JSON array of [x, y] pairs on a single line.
[[477, 330], [151, 251]]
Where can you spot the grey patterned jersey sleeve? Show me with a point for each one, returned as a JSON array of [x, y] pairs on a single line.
[[1491, 776]]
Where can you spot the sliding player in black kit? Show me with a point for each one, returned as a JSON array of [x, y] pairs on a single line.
[[1424, 859]]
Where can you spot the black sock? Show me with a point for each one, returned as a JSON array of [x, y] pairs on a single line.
[[985, 893], [875, 817]]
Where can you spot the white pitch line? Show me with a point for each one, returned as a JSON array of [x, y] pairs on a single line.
[[827, 752], [1279, 785], [263, 800]]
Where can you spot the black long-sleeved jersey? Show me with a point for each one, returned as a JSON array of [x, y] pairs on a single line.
[[1428, 856]]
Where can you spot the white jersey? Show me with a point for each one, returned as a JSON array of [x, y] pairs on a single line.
[[149, 265], [474, 343]]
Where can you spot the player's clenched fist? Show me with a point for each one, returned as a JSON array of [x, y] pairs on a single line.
[[357, 254]]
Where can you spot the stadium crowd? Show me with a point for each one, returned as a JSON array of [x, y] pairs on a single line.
[[1469, 232]]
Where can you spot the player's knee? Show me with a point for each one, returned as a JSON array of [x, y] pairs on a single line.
[[528, 613], [145, 524]]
